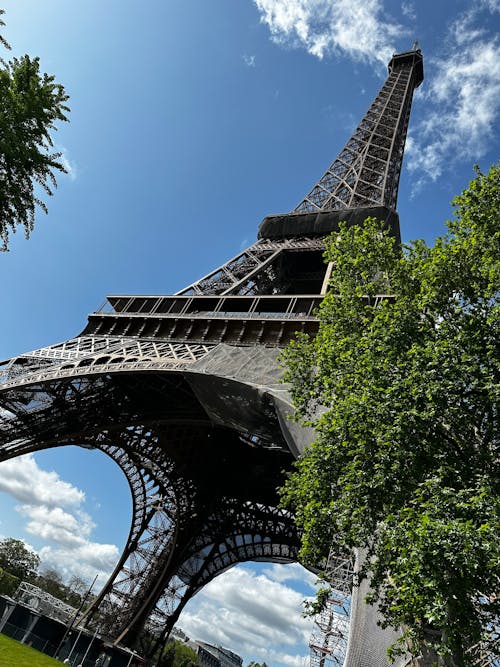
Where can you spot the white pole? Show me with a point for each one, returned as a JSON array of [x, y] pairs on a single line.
[[90, 644], [76, 642]]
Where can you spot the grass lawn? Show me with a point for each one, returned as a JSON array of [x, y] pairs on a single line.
[[14, 654]]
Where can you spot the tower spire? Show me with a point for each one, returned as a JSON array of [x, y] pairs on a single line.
[[366, 171]]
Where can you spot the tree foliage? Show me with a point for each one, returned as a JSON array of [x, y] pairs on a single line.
[[8, 583], [404, 395], [178, 654], [31, 103], [52, 582], [17, 560]]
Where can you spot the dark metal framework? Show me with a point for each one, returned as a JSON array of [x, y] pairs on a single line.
[[366, 172], [184, 392]]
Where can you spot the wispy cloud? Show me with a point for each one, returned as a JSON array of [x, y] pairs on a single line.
[[408, 10], [462, 102], [461, 96], [491, 5], [69, 164], [356, 28], [53, 511], [249, 60]]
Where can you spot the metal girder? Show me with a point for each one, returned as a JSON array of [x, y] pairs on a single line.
[[366, 171], [238, 532], [193, 516], [97, 354], [232, 276], [43, 602], [251, 271]]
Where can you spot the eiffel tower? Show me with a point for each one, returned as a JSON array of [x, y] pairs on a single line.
[[184, 392]]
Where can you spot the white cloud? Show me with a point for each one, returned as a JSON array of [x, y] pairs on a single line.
[[293, 572], [462, 102], [408, 10], [491, 5], [85, 561], [249, 60], [53, 509], [356, 28], [25, 481], [56, 525], [252, 614], [461, 97], [69, 164]]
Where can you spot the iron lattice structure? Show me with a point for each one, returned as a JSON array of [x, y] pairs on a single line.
[[184, 392], [366, 172]]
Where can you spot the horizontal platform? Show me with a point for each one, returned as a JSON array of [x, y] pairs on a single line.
[[322, 223], [244, 329], [269, 305], [415, 58], [270, 320]]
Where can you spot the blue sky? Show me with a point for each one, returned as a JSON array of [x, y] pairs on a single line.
[[192, 120]]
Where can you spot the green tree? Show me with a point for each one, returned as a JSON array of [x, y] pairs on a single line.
[[52, 582], [76, 590], [178, 654], [30, 104], [16, 559], [404, 395], [8, 583]]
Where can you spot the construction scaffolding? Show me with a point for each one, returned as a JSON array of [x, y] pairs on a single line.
[[329, 639], [44, 603]]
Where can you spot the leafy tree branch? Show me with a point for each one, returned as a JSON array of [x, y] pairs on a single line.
[[31, 103], [403, 392]]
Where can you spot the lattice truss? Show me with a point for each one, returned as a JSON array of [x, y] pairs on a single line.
[[183, 532], [328, 643], [366, 172], [179, 542], [182, 549], [237, 532], [154, 522], [255, 270], [97, 354], [44, 603]]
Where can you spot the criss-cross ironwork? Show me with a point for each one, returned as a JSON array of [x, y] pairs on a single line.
[[366, 171]]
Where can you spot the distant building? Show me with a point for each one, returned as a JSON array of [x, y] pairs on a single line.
[[209, 655], [225, 657], [205, 657], [179, 634]]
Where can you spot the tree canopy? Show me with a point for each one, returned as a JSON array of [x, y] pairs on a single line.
[[17, 559], [403, 392], [178, 654], [31, 103]]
